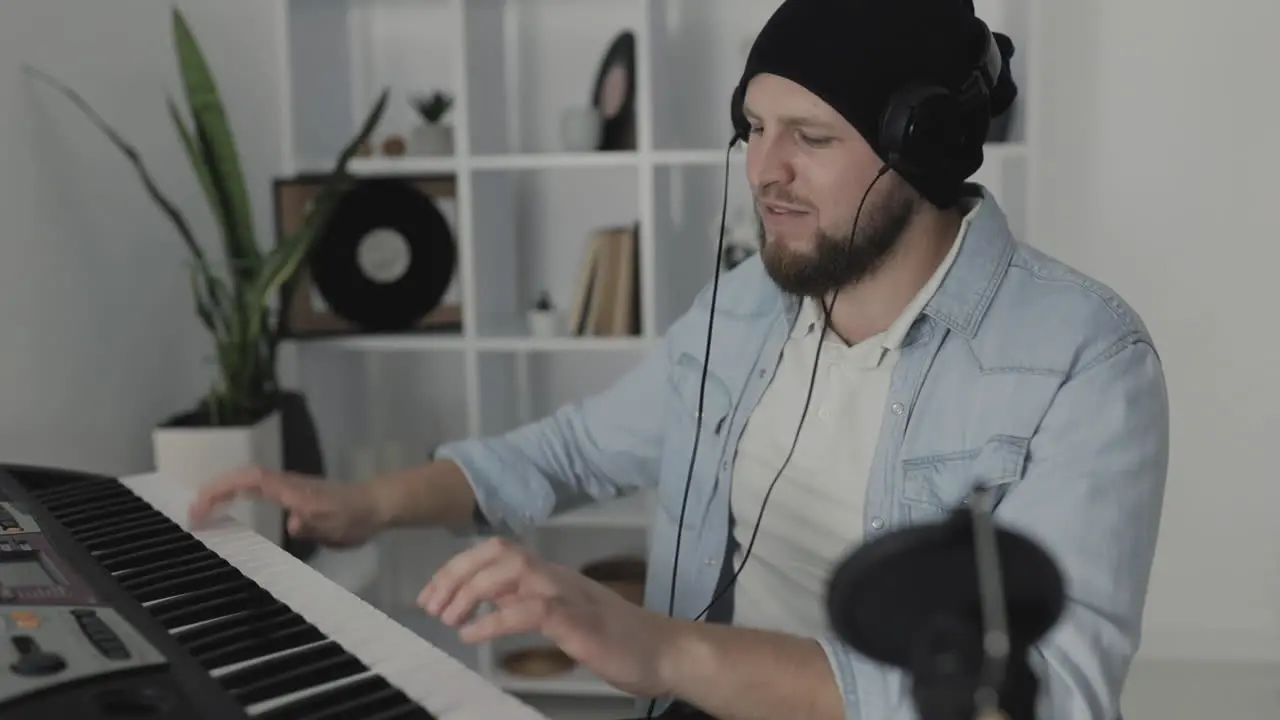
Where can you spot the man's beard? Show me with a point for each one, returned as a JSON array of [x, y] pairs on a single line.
[[833, 261]]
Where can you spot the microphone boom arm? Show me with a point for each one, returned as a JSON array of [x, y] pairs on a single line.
[[991, 597]]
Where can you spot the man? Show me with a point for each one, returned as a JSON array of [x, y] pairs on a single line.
[[951, 353]]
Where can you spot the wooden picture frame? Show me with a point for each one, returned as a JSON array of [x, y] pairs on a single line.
[[302, 312]]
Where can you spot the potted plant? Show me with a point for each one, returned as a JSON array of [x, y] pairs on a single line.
[[434, 136], [544, 321], [238, 421]]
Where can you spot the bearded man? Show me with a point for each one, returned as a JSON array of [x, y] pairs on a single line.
[[891, 345]]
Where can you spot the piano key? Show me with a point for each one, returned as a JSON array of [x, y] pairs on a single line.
[[438, 684], [354, 699], [258, 644]]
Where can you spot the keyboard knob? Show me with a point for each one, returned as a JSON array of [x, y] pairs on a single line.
[[40, 662], [33, 660]]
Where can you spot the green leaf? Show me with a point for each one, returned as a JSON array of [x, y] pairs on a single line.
[[204, 310], [285, 259], [204, 168], [131, 153], [217, 142]]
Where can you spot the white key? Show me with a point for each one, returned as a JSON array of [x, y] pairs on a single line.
[[434, 679]]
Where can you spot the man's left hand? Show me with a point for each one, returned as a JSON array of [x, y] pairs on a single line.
[[625, 645]]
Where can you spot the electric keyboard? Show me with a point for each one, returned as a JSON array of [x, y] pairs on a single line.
[[110, 608]]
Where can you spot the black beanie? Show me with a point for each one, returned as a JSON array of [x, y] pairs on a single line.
[[855, 54]]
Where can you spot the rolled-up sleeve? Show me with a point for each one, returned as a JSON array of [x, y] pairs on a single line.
[[598, 448]]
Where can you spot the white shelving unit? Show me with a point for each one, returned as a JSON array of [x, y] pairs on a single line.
[[524, 209]]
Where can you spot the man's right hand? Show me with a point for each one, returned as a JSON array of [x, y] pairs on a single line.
[[332, 514]]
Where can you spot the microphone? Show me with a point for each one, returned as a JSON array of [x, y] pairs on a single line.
[[957, 605]]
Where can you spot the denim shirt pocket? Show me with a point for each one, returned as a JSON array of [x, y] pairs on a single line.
[[933, 485], [717, 405]]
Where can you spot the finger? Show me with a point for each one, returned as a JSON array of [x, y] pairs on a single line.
[[286, 492], [273, 487], [222, 490], [295, 524], [526, 615], [460, 568], [502, 577]]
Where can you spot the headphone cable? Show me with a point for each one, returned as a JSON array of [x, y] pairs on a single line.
[[702, 387]]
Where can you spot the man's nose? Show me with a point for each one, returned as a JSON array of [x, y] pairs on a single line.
[[769, 162]]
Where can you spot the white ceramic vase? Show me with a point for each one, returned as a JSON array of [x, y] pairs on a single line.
[[435, 139], [195, 456], [581, 129], [544, 323]]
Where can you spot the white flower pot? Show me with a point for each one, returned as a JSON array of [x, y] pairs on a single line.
[[195, 456], [544, 323], [581, 129], [431, 140]]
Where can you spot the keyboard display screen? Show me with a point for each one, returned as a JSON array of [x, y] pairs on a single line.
[[25, 572]]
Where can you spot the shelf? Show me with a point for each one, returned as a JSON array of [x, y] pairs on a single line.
[[532, 230], [341, 55], [578, 681], [516, 388], [533, 63], [698, 51], [413, 165], [405, 165], [527, 203], [687, 209], [556, 160]]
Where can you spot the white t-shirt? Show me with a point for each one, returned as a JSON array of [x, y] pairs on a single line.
[[814, 513]]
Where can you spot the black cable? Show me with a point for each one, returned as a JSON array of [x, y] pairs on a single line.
[[702, 387]]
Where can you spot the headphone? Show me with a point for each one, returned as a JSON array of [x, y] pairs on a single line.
[[926, 131]]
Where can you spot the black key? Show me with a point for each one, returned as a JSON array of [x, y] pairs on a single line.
[[95, 523], [194, 598], [246, 630], [138, 582], [77, 495], [415, 712], [261, 646], [95, 510], [52, 492], [196, 580], [348, 700], [105, 553], [292, 672], [183, 549], [126, 524], [124, 534], [216, 627], [174, 565], [252, 599]]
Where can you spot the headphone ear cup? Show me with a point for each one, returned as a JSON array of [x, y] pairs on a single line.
[[918, 126]]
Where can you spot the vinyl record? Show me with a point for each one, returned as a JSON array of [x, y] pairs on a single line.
[[386, 258], [614, 94]]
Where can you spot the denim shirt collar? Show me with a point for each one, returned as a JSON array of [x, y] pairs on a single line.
[[964, 295]]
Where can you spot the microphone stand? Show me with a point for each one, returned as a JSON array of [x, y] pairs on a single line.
[[933, 600], [966, 670]]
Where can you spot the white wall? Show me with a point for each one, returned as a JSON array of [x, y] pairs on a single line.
[[1156, 173], [99, 337]]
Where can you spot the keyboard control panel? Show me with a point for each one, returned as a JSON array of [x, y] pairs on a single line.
[[44, 646], [65, 650]]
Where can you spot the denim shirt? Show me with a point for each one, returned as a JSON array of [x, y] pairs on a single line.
[[1021, 372]]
